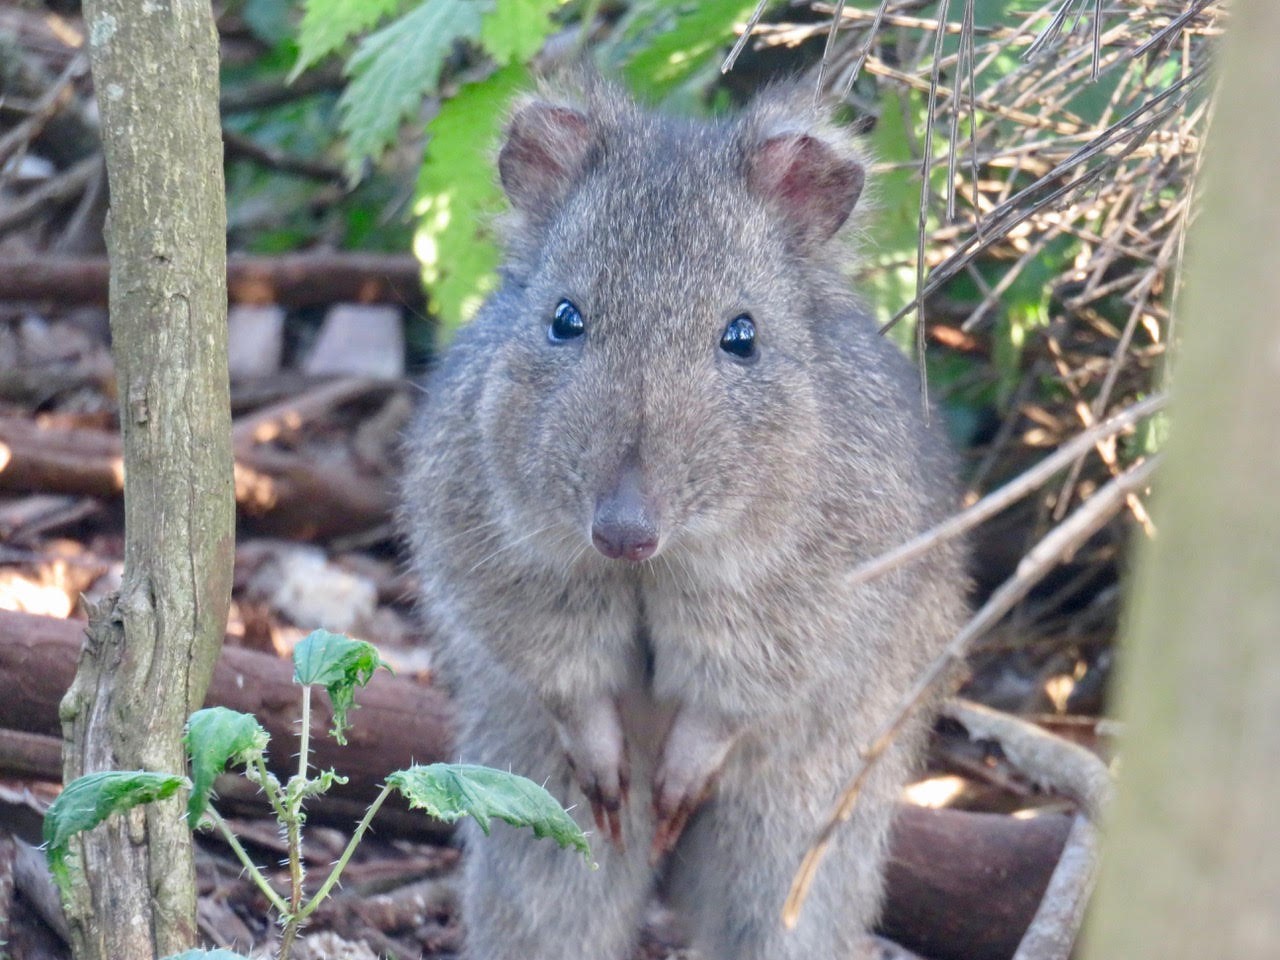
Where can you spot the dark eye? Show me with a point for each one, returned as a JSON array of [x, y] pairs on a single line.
[[566, 323], [739, 338]]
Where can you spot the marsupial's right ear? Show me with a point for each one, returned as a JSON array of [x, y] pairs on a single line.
[[548, 148], [807, 169]]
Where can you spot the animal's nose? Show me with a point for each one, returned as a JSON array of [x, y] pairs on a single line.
[[625, 525]]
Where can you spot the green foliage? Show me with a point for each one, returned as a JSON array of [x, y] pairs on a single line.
[[1149, 437], [393, 69], [661, 44], [458, 195], [87, 801], [217, 735], [891, 282], [328, 24], [664, 48], [516, 29], [339, 664], [450, 791], [214, 737]]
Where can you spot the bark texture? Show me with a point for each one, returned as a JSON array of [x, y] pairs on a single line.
[[151, 649], [1193, 866]]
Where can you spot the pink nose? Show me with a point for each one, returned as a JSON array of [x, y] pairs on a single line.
[[625, 525], [623, 542]]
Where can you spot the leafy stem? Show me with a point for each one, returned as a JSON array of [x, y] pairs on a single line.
[[336, 873], [250, 867]]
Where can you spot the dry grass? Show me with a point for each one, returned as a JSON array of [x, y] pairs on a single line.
[[1060, 162]]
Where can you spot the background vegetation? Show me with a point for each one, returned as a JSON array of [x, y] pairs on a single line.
[[1035, 167]]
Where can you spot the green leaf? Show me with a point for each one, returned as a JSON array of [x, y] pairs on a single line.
[[328, 24], [458, 194], [450, 791], [87, 801], [395, 68], [514, 30], [339, 664], [206, 955], [660, 44], [215, 736]]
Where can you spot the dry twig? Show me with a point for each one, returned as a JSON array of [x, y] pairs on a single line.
[[1058, 544]]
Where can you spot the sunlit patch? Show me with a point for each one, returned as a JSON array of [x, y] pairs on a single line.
[[935, 792], [117, 472], [23, 594], [255, 491], [1058, 689], [434, 215], [1030, 813], [269, 430], [5, 456]]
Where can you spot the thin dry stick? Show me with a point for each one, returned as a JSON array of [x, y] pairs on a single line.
[[926, 161], [1072, 771], [1010, 493], [745, 36], [866, 46], [21, 135], [1127, 131], [1048, 760], [829, 46], [1140, 296], [1052, 932], [1050, 32], [1174, 26], [1061, 542]]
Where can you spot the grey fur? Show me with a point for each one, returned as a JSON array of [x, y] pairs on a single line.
[[735, 666]]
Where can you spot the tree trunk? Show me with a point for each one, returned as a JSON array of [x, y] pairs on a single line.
[[152, 647], [1193, 866]]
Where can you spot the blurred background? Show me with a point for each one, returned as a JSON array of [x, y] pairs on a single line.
[[1034, 177]]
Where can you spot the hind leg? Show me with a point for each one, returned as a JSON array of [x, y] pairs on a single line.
[[524, 898], [732, 869]]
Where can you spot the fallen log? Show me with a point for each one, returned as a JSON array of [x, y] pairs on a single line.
[[282, 493], [290, 280], [962, 886], [400, 721]]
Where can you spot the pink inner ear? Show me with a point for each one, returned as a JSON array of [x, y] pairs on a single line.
[[813, 187], [546, 149]]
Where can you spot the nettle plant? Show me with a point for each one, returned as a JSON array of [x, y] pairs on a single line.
[[217, 738]]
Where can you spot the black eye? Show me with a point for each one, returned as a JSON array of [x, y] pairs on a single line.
[[566, 323], [739, 338]]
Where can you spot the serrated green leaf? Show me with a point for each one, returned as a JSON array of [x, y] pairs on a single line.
[[215, 736], [328, 24], [660, 44], [450, 791], [87, 801], [206, 955], [458, 194], [393, 69], [339, 664], [514, 30]]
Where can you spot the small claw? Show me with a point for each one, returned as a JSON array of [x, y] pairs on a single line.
[[597, 814], [673, 816], [615, 831], [605, 812], [669, 830]]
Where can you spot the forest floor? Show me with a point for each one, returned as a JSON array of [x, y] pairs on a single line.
[[319, 406]]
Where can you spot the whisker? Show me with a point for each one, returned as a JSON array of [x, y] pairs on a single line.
[[509, 546]]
